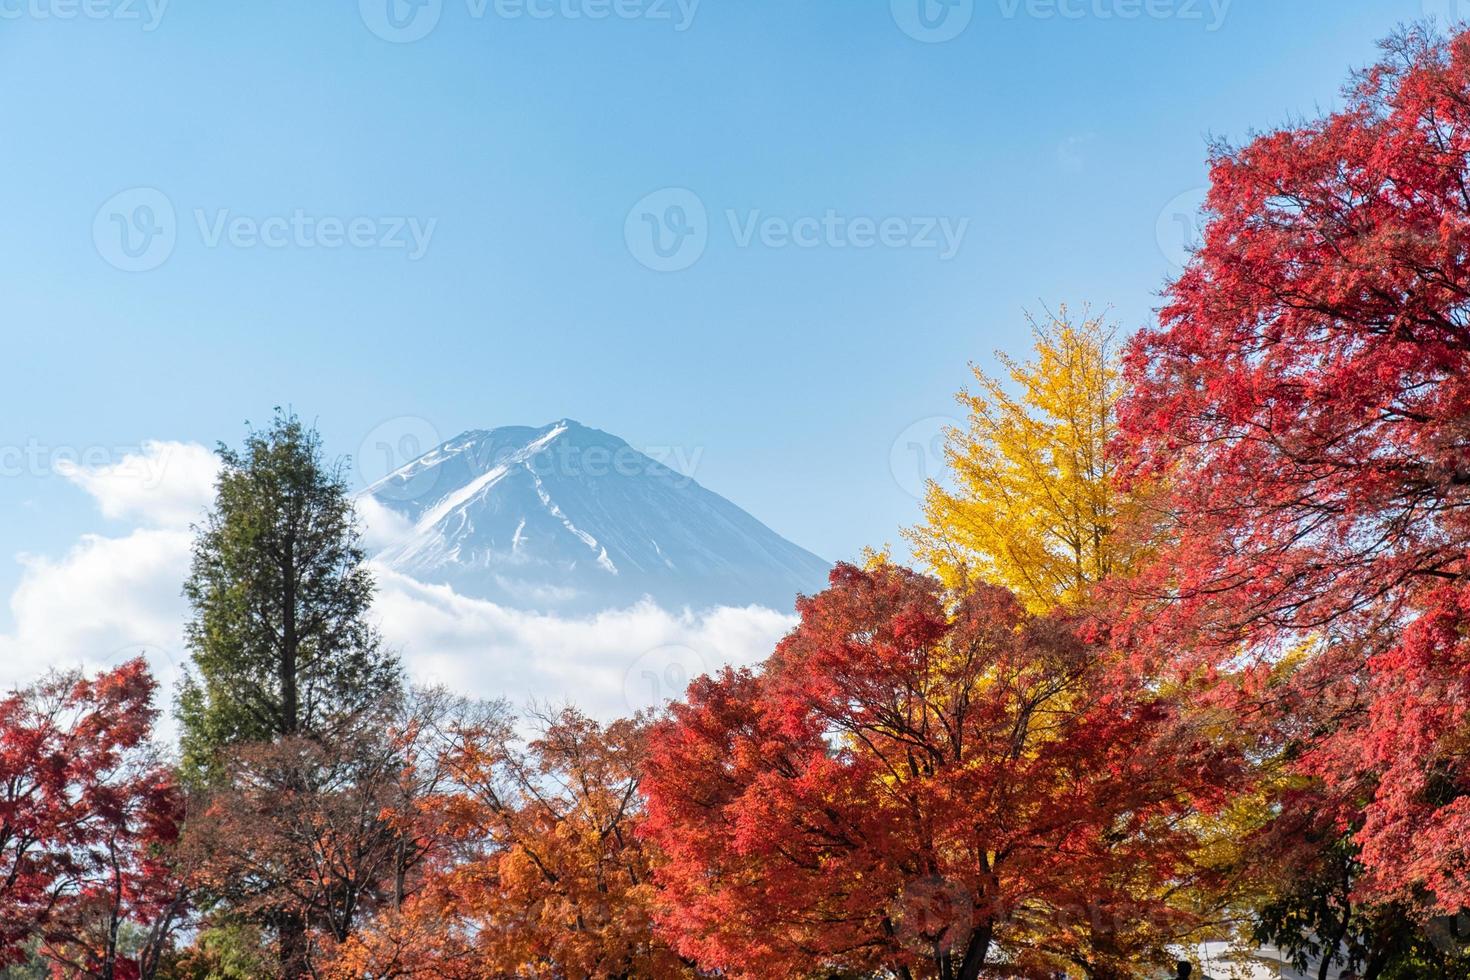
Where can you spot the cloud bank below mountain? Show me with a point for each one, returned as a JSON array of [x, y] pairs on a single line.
[[113, 596]]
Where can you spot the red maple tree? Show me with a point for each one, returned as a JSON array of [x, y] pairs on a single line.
[[1307, 389], [1307, 398], [925, 784], [87, 814]]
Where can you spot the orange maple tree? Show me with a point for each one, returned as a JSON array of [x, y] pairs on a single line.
[[546, 875]]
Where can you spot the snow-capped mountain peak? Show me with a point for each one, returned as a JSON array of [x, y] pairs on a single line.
[[569, 517]]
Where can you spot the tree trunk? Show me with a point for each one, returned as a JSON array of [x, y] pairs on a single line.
[[292, 935], [977, 953], [290, 709], [1329, 952]]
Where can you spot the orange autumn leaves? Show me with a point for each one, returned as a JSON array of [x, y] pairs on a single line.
[[906, 785], [541, 873]]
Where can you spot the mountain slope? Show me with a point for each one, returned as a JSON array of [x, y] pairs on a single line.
[[567, 517]]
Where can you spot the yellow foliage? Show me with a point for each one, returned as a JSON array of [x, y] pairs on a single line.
[[876, 558], [1034, 506]]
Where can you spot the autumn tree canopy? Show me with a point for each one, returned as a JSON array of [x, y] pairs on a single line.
[[1034, 506], [1307, 384], [927, 784], [88, 815], [1307, 397], [548, 877]]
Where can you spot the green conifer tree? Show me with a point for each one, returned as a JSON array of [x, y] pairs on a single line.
[[280, 642]]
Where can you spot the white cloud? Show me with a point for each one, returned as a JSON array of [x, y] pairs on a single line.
[[166, 484], [105, 601], [382, 527], [610, 664], [109, 598]]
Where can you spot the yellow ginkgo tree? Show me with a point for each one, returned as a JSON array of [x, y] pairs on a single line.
[[1033, 504]]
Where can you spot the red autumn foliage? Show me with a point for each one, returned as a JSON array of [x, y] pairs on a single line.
[[87, 814], [1307, 398], [1308, 388], [1417, 828], [924, 783]]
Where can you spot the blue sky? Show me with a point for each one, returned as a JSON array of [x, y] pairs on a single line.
[[1050, 140]]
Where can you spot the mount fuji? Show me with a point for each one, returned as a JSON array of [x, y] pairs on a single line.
[[567, 518]]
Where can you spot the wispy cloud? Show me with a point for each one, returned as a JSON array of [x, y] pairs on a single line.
[[165, 484]]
